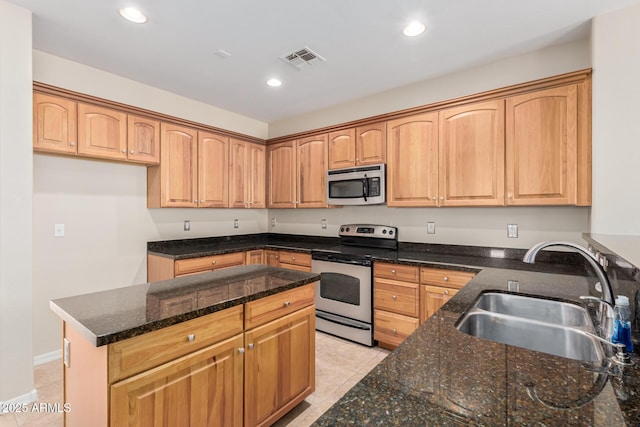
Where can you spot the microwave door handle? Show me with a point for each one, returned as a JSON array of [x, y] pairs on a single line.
[[365, 187]]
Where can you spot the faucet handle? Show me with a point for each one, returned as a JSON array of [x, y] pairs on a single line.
[[606, 316], [602, 302]]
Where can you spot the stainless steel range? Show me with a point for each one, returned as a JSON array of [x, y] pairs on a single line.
[[344, 299]]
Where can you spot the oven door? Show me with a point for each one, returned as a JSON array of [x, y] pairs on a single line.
[[344, 290]]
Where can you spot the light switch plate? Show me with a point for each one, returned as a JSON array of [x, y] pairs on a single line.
[[431, 228], [236, 224], [324, 224], [58, 230], [187, 225]]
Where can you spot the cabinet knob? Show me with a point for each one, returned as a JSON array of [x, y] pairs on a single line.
[[434, 198], [395, 331], [213, 262], [357, 159], [446, 291], [287, 303], [124, 151], [293, 258], [131, 152], [393, 272], [510, 196], [441, 197], [446, 279], [191, 337], [241, 350], [393, 297], [201, 201], [251, 346], [73, 144], [277, 256]]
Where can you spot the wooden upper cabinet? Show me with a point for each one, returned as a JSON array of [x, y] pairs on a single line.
[[365, 145], [102, 132], [312, 161], [542, 147], [471, 149], [247, 174], [281, 170], [256, 174], [371, 144], [143, 140], [412, 161], [179, 166], [213, 170], [54, 124], [342, 149]]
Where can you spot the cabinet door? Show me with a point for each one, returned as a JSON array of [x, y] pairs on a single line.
[[371, 144], [541, 149], [471, 169], [213, 170], [342, 149], [254, 257], [54, 124], [272, 258], [143, 140], [102, 132], [256, 176], [238, 174], [201, 389], [282, 175], [279, 366], [179, 165], [312, 172], [412, 175], [432, 298]]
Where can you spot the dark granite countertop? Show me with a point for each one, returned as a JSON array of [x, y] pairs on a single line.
[[441, 376], [117, 314]]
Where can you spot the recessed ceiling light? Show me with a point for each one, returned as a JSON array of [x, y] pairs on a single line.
[[274, 82], [415, 28], [134, 15]]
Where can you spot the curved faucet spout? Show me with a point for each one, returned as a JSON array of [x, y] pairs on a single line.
[[607, 291]]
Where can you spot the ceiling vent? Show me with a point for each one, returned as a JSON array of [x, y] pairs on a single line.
[[302, 58]]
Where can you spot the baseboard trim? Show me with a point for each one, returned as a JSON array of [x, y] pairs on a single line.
[[18, 402], [41, 359]]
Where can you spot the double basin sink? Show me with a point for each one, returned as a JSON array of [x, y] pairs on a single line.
[[549, 326]]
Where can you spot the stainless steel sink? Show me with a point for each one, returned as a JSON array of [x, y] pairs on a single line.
[[556, 312], [550, 327]]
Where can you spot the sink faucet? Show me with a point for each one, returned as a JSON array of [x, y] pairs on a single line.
[[607, 291]]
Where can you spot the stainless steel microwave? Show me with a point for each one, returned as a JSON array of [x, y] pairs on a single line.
[[363, 185]]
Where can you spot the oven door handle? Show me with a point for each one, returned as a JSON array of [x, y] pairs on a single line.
[[340, 322]]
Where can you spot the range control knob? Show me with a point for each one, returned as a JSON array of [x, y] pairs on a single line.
[[390, 232], [341, 228], [348, 229], [384, 231]]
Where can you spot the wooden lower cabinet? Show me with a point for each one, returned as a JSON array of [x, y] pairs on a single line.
[[201, 389], [285, 259], [254, 257], [279, 366], [437, 286]]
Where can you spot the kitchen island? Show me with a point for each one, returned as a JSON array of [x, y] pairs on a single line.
[[441, 376], [187, 350]]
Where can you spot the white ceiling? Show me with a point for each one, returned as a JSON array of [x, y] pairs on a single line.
[[361, 41]]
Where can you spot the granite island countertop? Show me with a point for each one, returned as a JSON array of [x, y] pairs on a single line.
[[441, 376], [117, 314]]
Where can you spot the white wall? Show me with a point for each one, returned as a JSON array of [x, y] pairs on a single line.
[[616, 134], [456, 226], [518, 69], [103, 204], [16, 366]]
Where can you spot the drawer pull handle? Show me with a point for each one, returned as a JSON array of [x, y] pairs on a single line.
[[241, 350], [393, 297], [251, 346], [395, 331], [73, 144], [446, 292], [287, 303], [191, 337], [293, 258], [213, 262], [124, 151], [446, 279], [393, 272]]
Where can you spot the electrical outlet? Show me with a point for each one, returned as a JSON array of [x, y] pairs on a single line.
[[431, 228], [324, 224], [58, 230], [273, 222], [187, 225], [236, 224], [512, 231], [513, 285]]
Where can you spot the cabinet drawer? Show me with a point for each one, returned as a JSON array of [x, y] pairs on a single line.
[[398, 297], [296, 267], [146, 351], [295, 258], [447, 278], [392, 328], [274, 306], [407, 273], [208, 263]]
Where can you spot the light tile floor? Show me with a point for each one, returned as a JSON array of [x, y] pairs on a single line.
[[340, 364]]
